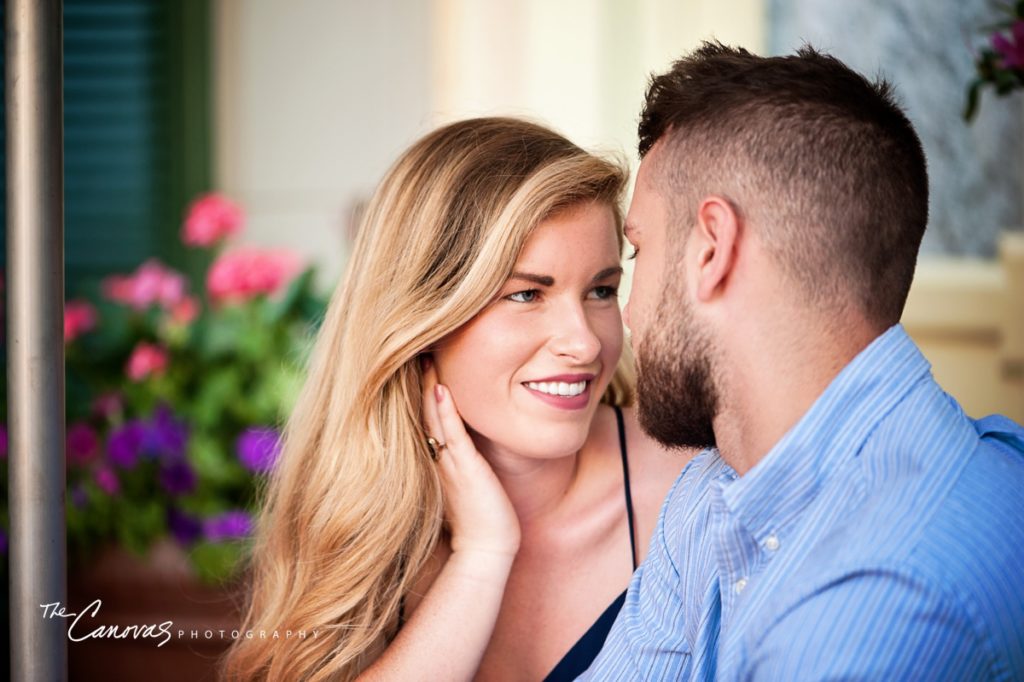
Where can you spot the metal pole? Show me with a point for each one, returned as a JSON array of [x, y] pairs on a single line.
[[35, 356]]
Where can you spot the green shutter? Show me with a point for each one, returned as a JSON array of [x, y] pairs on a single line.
[[129, 162]]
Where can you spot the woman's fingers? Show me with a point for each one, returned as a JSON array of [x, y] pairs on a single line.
[[452, 427], [431, 421], [480, 516]]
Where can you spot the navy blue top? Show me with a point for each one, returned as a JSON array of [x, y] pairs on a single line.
[[583, 653]]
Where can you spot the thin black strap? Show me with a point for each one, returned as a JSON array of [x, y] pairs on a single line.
[[401, 600], [625, 478]]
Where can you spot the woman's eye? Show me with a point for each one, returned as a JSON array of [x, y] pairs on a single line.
[[528, 296], [633, 255], [605, 292]]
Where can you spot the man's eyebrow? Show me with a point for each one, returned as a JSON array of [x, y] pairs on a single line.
[[607, 272], [543, 280]]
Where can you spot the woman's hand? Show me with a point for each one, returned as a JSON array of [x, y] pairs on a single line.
[[478, 511], [448, 632]]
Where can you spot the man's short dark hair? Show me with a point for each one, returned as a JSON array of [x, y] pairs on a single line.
[[821, 161]]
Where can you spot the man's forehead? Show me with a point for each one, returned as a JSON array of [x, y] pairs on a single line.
[[646, 190]]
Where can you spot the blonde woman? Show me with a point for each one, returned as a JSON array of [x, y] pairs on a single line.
[[454, 497]]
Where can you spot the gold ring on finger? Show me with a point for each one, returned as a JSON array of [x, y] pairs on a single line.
[[435, 448]]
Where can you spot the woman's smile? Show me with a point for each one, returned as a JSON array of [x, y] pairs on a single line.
[[566, 391], [538, 359]]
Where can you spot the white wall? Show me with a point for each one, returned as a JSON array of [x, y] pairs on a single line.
[[315, 98], [580, 66]]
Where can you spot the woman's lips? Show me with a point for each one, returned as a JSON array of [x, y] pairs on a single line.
[[564, 402]]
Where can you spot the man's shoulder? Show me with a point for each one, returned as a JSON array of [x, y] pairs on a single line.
[[945, 524], [692, 486], [976, 536], [684, 513], [933, 480]]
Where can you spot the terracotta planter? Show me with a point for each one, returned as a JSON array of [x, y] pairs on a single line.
[[153, 591]]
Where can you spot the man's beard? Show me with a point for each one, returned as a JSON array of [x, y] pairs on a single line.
[[678, 399]]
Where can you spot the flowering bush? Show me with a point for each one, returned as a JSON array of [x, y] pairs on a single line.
[[1001, 62], [174, 398]]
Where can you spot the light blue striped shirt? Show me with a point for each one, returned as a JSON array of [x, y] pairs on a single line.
[[881, 538]]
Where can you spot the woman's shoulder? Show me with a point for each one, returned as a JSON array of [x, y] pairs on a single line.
[[653, 469]]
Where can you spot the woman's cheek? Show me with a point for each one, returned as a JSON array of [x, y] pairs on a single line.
[[611, 334]]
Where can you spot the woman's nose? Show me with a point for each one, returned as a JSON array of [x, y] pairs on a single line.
[[573, 335]]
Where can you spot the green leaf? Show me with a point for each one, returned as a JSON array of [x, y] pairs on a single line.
[[222, 331], [141, 525], [973, 92], [216, 563], [215, 460], [217, 392], [277, 308]]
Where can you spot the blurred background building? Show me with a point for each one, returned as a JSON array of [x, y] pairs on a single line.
[[295, 109], [314, 99]]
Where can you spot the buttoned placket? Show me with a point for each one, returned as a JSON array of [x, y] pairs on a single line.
[[737, 553], [740, 556]]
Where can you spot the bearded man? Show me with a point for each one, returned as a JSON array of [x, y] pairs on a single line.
[[847, 520]]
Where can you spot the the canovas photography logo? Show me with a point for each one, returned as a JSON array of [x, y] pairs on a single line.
[[83, 626]]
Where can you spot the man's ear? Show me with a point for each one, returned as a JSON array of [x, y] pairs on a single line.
[[717, 236]]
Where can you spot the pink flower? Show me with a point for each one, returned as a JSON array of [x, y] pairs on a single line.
[[247, 272], [146, 359], [185, 310], [151, 283], [211, 218], [79, 317], [108, 406], [82, 443], [106, 479], [1011, 51]]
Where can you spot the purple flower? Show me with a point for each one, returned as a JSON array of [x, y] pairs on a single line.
[[3, 541], [185, 528], [106, 479], [82, 443], [258, 448], [125, 444], [1011, 51], [166, 436], [79, 497], [227, 526], [3, 441], [177, 477]]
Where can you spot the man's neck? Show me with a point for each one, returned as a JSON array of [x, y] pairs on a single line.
[[766, 393]]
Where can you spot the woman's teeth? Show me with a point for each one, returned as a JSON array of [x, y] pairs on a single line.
[[557, 387]]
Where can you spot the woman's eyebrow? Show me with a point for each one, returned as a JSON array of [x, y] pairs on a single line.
[[607, 272], [543, 280], [548, 281]]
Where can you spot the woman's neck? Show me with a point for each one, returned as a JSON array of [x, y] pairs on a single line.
[[535, 487]]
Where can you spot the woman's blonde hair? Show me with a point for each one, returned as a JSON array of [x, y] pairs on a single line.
[[354, 508]]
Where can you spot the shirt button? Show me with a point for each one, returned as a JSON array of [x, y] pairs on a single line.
[[771, 543], [740, 585]]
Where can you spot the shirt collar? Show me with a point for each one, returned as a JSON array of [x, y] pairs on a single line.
[[773, 494]]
